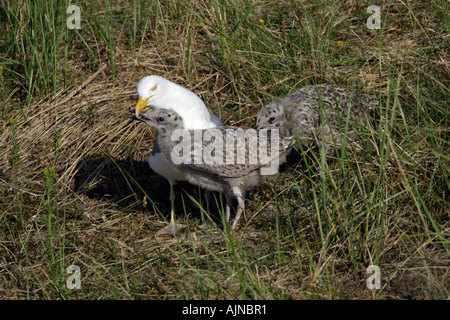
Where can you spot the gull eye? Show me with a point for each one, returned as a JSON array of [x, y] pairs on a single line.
[[154, 88], [271, 119], [160, 119]]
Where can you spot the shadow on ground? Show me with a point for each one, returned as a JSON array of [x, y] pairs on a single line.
[[133, 185]]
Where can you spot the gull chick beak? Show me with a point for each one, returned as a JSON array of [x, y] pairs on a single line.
[[140, 105]]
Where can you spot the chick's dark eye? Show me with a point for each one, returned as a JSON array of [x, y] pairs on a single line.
[[271, 119], [160, 119]]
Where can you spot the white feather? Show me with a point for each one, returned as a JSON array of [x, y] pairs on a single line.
[[163, 94]]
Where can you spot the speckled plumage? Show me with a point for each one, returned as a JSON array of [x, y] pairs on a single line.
[[230, 178], [316, 111]]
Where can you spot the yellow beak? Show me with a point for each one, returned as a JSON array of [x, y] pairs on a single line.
[[140, 105]]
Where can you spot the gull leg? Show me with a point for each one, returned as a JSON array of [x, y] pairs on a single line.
[[208, 221], [228, 207], [173, 227], [207, 197], [240, 209]]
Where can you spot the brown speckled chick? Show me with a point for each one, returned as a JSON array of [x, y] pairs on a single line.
[[317, 115]]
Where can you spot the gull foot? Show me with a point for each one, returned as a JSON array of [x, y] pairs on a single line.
[[171, 229]]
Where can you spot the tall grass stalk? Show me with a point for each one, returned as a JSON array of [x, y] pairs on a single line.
[[39, 28]]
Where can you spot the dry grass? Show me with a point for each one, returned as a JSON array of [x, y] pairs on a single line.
[[76, 187]]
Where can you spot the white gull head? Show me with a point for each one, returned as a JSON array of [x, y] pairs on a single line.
[[159, 93]]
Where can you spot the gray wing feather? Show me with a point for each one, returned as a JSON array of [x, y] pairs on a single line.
[[234, 169]]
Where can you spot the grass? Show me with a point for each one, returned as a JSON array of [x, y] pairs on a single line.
[[76, 188]]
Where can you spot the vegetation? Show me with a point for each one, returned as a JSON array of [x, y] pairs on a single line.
[[76, 188]]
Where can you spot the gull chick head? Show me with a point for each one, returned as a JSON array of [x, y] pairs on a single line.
[[163, 120], [271, 116], [149, 89]]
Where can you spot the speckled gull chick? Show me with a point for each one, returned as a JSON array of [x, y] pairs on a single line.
[[156, 92], [230, 177], [314, 111]]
